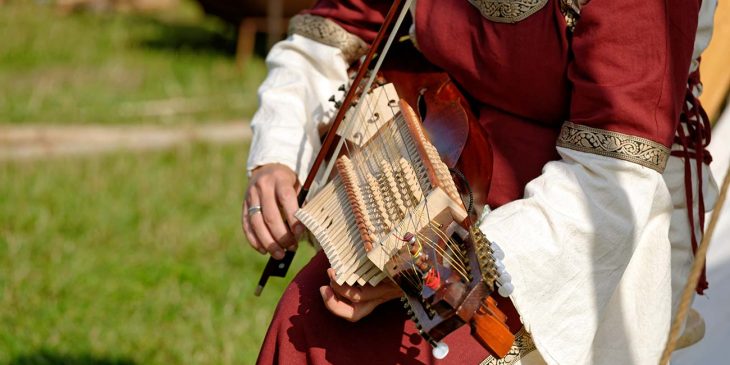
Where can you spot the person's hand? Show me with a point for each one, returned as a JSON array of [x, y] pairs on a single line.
[[267, 216], [353, 303]]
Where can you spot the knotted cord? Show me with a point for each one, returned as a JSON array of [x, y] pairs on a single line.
[[693, 134]]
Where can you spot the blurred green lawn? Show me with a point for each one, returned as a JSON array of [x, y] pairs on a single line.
[[177, 66], [130, 258]]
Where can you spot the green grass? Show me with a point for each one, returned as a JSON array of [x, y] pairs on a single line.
[[173, 67], [130, 259]]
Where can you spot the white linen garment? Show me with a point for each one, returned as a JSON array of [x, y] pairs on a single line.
[[588, 246], [293, 103], [589, 254]]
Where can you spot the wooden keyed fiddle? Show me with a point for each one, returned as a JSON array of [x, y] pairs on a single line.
[[391, 209]]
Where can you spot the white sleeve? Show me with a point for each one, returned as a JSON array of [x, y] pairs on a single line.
[[303, 75], [589, 255], [599, 248]]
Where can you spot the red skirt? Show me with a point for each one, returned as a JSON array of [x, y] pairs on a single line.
[[303, 331]]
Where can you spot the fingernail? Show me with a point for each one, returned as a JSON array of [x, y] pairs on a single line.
[[298, 229], [262, 251], [278, 255]]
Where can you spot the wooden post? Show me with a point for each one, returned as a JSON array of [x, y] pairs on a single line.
[[246, 39], [274, 21]]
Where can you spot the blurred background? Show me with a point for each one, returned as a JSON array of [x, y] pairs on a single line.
[[123, 140]]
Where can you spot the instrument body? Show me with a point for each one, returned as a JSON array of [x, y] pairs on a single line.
[[442, 262], [463, 144], [393, 210]]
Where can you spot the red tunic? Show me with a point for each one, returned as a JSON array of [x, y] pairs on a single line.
[[623, 69]]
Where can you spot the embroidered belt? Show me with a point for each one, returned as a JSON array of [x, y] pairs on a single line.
[[522, 346], [326, 31], [626, 147]]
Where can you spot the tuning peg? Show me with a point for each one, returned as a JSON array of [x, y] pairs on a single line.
[[505, 277], [342, 87], [500, 271], [499, 265], [332, 99], [496, 250], [498, 253], [506, 289], [410, 238], [440, 351]]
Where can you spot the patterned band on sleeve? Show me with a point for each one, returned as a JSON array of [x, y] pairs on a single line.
[[626, 147], [326, 31]]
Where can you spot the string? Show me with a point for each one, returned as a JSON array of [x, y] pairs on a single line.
[[365, 102], [460, 270], [386, 140], [369, 83], [456, 259]]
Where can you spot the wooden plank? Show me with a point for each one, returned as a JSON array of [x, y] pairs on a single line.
[[715, 65]]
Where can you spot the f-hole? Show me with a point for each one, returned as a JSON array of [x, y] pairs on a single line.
[[421, 104]]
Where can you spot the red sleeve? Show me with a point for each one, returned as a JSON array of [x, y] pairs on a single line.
[[630, 65], [359, 17]]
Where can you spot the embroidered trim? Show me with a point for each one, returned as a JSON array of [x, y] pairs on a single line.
[[508, 11], [326, 31], [522, 346], [634, 149]]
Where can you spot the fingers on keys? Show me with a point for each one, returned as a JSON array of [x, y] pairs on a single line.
[[352, 312], [353, 303]]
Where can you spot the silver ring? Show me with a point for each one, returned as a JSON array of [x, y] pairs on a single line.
[[254, 210]]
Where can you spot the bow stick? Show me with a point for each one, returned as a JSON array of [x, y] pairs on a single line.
[[279, 268]]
